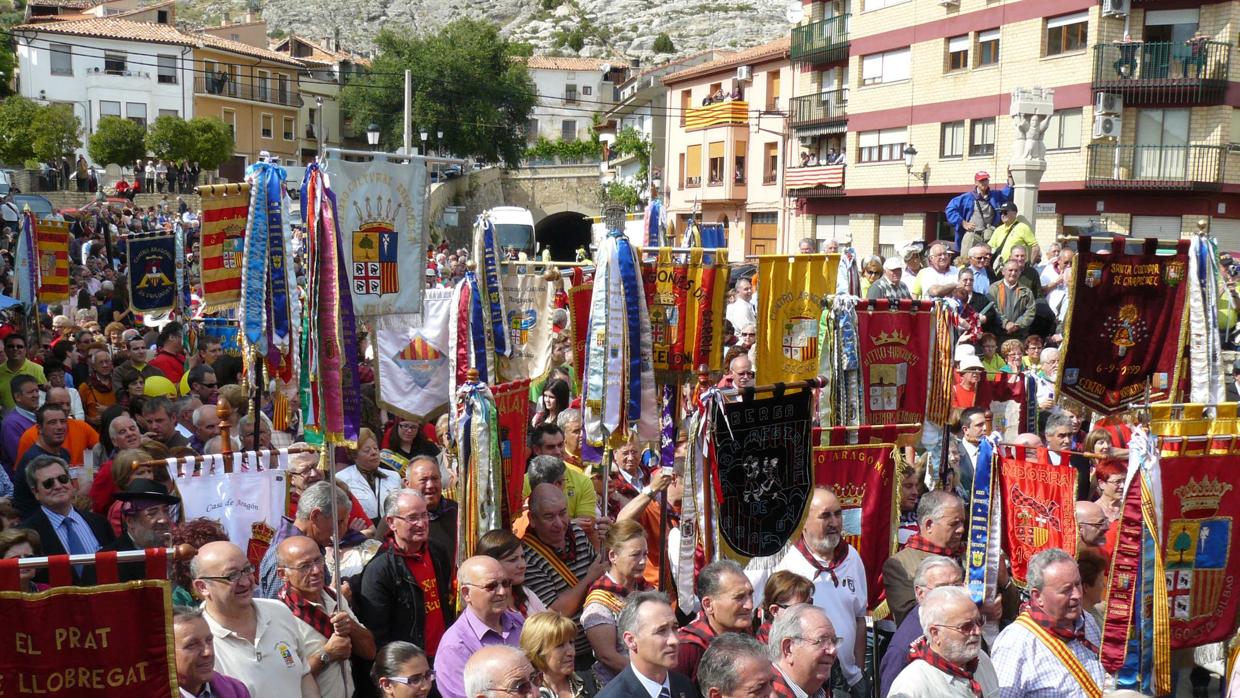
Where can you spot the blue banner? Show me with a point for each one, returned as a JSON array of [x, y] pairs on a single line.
[[152, 270]]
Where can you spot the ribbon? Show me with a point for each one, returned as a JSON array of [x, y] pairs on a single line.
[[495, 310], [983, 549], [653, 223], [1204, 351], [632, 296], [254, 266], [325, 291], [277, 237], [667, 426], [477, 329], [481, 484], [350, 382]]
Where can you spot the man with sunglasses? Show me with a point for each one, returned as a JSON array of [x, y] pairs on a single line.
[[948, 661], [203, 383], [61, 528], [486, 620]]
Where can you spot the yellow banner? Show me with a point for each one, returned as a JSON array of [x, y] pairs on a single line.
[[790, 294], [52, 243], [225, 208]]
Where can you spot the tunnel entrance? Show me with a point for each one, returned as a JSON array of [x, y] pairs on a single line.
[[563, 233]]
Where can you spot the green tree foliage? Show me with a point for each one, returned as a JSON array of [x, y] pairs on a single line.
[[630, 142], [621, 193], [170, 138], [55, 131], [567, 152], [465, 83], [16, 116], [116, 141], [212, 142], [663, 44]]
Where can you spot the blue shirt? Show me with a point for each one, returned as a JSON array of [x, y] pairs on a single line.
[[79, 526]]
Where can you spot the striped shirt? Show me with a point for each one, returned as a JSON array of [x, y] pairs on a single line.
[[543, 580], [1027, 669], [79, 525]]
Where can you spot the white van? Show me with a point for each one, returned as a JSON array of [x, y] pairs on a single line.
[[514, 227]]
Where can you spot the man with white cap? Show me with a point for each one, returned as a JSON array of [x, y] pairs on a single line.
[[964, 392], [890, 286]]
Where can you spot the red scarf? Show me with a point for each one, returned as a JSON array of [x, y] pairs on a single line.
[[837, 558], [916, 542], [605, 583], [307, 612], [921, 650], [1040, 617]]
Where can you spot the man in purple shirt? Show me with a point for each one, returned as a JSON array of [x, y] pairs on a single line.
[[25, 390], [486, 620]]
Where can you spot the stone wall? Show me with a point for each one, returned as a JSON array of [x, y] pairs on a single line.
[[553, 189], [470, 194], [73, 199]]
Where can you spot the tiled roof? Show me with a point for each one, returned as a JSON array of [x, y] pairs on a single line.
[[773, 50], [111, 28], [570, 63], [319, 54], [71, 4], [145, 8]]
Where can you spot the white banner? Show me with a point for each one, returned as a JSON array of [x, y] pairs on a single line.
[[248, 503], [380, 208], [530, 301], [411, 357]]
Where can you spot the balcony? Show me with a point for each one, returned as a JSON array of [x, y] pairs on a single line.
[[1163, 73], [814, 182], [1156, 167], [824, 41], [212, 86], [726, 113], [825, 112]]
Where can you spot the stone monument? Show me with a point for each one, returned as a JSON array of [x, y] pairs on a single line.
[[1031, 113]]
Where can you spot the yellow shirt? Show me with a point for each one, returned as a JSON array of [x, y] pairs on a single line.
[[29, 368], [578, 489]]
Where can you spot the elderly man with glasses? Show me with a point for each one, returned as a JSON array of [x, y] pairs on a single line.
[[484, 621], [802, 649], [500, 670], [948, 661], [938, 279]]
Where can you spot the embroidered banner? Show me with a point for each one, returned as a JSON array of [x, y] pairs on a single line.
[[764, 473], [529, 300], [225, 330], [579, 324], [411, 357], [224, 211], [381, 216], [1132, 329], [686, 298], [152, 266], [52, 241], [789, 304], [894, 355], [110, 641], [512, 400], [1009, 397], [1200, 507], [863, 478], [1039, 505]]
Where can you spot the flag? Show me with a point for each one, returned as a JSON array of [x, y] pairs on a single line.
[[480, 485], [411, 357], [528, 300], [152, 268], [686, 299], [512, 402], [790, 300], [225, 208], [52, 243], [894, 351], [1039, 504]]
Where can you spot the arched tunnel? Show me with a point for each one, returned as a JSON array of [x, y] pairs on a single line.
[[563, 233]]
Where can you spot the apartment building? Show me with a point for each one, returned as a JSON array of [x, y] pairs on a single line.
[[321, 118], [726, 141], [1142, 140], [570, 91]]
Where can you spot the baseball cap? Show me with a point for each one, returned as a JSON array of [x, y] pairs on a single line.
[[892, 263], [1007, 207], [981, 174], [971, 363]]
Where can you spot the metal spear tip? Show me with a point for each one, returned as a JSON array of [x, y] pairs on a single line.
[[551, 274]]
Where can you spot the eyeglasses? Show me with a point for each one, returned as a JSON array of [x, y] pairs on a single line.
[[749, 334], [51, 481], [209, 385], [410, 426], [522, 687], [827, 641], [414, 680], [1095, 524], [306, 566], [232, 577], [490, 586], [749, 374], [412, 518], [15, 346], [973, 626]]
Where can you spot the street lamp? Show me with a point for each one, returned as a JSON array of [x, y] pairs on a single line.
[[372, 134], [909, 154]]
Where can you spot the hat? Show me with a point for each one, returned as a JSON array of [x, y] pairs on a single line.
[[1007, 207], [129, 334], [142, 493], [970, 363], [981, 174], [892, 264], [964, 350], [158, 386]]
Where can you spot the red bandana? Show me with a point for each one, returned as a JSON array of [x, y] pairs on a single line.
[[837, 558], [309, 613], [1040, 617], [916, 542], [921, 650], [605, 583]]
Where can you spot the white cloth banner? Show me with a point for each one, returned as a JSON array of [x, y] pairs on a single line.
[[411, 357], [248, 503], [530, 301]]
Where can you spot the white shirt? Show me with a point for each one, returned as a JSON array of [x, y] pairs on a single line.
[[274, 663], [652, 687], [920, 680], [844, 604], [740, 313], [1057, 298], [928, 278], [331, 683], [1027, 669], [371, 498]]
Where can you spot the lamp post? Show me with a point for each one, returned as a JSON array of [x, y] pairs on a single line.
[[372, 135], [909, 154]]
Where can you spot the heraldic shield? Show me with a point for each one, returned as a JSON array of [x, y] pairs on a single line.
[[765, 473], [1198, 549], [375, 259]]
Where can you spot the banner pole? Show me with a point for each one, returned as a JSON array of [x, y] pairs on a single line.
[[183, 551], [329, 458]]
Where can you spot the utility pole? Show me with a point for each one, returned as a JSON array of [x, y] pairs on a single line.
[[408, 101]]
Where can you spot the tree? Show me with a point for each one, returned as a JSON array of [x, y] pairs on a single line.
[[116, 141], [465, 83], [17, 114], [212, 142], [55, 131], [170, 138], [663, 44], [630, 142]]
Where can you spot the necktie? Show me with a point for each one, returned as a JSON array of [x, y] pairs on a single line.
[[74, 543], [665, 692]]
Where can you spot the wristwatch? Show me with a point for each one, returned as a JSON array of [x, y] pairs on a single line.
[[325, 658], [646, 491]]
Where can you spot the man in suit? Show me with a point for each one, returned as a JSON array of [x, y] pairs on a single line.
[[195, 658], [940, 531], [1233, 385], [61, 528], [647, 626], [973, 428], [734, 666]]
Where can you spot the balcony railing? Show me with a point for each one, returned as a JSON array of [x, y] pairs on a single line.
[[717, 114], [824, 41], [828, 108], [820, 180], [1156, 167], [212, 85], [1163, 72]]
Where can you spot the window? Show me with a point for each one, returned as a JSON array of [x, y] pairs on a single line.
[[1064, 130], [982, 137], [988, 47], [886, 145], [61, 59], [230, 117], [772, 90], [282, 88], [289, 128], [686, 103], [831, 228], [260, 86], [531, 130], [693, 166], [587, 90], [136, 112], [114, 63], [1235, 125], [568, 130], [1066, 33], [167, 70], [570, 94], [1161, 150], [890, 234], [770, 163], [266, 123], [880, 4], [879, 68], [958, 53], [107, 108], [680, 184], [161, 16], [951, 142], [738, 175], [168, 112], [715, 166]]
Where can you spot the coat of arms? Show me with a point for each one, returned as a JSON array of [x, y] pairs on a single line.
[[1093, 274], [376, 269], [420, 360], [1197, 550]]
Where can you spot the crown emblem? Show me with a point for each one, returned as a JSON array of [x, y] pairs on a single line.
[[260, 531], [896, 337], [1201, 496], [851, 495], [380, 210]]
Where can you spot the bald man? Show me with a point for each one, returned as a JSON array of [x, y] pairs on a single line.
[[500, 669], [1092, 525], [485, 621]]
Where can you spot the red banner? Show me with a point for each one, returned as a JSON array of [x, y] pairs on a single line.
[[111, 641], [862, 476], [512, 402], [1124, 326], [1200, 507], [52, 242], [1039, 505], [579, 314], [894, 346], [686, 302]]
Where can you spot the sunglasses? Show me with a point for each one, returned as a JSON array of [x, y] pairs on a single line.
[[491, 586], [51, 481]]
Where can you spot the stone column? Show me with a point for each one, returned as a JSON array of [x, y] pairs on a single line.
[[1031, 112]]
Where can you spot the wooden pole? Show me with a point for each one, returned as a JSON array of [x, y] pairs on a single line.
[[223, 411]]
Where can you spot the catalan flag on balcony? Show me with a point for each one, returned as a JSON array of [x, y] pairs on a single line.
[[52, 244], [831, 176]]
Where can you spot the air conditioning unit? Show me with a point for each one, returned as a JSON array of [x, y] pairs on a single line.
[[808, 140], [1108, 103], [1107, 126], [1115, 8], [744, 72], [949, 3]]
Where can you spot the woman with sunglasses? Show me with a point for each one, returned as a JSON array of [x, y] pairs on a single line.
[[401, 671], [871, 271]]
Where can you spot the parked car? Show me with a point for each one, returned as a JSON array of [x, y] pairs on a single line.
[[6, 183], [41, 207]]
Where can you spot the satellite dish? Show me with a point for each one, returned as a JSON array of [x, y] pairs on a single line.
[[795, 12]]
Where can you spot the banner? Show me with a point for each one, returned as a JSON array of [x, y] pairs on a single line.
[[579, 323], [1039, 505], [790, 299], [894, 355], [1200, 506], [863, 479], [529, 300], [225, 330], [84, 641], [248, 502], [411, 357], [224, 211], [1132, 327], [1012, 401], [687, 301], [512, 400], [764, 476], [380, 206], [152, 267], [52, 243]]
